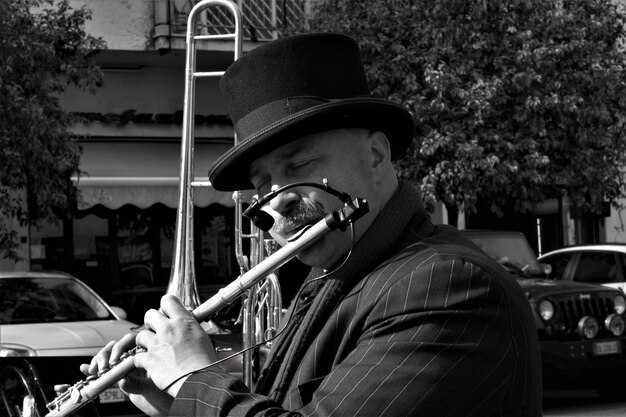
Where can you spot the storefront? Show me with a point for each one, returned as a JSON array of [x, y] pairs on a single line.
[[123, 231]]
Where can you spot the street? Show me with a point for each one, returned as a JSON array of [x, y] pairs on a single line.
[[579, 403]]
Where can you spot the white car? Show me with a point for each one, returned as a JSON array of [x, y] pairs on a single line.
[[50, 323], [602, 263]]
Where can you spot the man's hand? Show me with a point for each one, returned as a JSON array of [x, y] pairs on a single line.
[[109, 354], [141, 391], [145, 395], [175, 344]]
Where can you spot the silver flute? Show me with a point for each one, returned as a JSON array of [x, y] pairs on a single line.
[[85, 391]]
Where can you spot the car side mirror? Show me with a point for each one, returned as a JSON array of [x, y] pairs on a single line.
[[119, 312], [547, 269]]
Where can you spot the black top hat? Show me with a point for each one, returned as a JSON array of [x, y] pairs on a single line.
[[294, 87]]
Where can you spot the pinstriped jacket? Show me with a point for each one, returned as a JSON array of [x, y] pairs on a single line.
[[437, 329]]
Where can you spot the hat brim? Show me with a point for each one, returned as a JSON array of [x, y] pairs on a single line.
[[230, 171]]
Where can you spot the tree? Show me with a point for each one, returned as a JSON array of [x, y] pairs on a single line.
[[43, 50], [514, 100]]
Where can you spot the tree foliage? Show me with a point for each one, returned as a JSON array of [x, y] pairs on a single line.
[[43, 50], [514, 101]]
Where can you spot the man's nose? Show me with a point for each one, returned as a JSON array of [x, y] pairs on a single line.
[[283, 202]]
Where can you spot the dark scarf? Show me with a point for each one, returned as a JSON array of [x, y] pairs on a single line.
[[320, 297]]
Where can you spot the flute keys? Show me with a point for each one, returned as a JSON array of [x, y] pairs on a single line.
[[61, 388], [103, 371], [76, 396]]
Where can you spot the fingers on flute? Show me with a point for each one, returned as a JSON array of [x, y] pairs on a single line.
[[123, 345], [152, 319], [172, 307], [99, 362], [134, 382], [109, 354], [145, 338]]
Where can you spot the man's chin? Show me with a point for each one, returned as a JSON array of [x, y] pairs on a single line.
[[309, 260], [319, 256], [327, 251]]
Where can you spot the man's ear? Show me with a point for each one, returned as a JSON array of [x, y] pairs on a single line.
[[380, 153]]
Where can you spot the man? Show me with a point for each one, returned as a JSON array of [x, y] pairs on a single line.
[[412, 319]]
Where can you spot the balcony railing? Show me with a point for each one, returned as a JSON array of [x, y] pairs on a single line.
[[262, 19]]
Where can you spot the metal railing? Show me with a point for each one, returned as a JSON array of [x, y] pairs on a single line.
[[262, 19]]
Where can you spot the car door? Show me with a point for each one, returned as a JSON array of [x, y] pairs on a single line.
[[598, 267], [621, 280]]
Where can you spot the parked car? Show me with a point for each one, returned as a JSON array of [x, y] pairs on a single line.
[[580, 325], [50, 323], [136, 301], [603, 263]]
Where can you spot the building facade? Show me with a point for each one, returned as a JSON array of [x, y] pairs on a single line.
[[130, 134]]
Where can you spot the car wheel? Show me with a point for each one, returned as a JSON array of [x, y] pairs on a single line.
[[17, 382]]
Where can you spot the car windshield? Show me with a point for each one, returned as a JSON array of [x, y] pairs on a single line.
[[36, 300], [509, 250]]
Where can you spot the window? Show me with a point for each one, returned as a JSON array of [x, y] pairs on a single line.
[[37, 300], [558, 263], [622, 262], [596, 267]]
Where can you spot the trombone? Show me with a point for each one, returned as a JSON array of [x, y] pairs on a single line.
[[262, 305]]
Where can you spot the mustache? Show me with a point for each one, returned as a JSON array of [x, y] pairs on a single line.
[[302, 213]]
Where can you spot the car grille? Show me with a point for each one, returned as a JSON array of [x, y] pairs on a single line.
[[572, 309]]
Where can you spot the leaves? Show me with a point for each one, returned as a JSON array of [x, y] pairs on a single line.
[[513, 100], [43, 50]]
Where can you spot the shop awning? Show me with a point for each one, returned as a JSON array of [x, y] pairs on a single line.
[[143, 174]]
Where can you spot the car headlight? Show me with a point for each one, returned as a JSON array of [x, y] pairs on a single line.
[[12, 350], [546, 310], [588, 327], [619, 304], [614, 324]]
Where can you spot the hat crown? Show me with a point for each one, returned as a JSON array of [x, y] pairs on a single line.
[[294, 87], [322, 65]]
